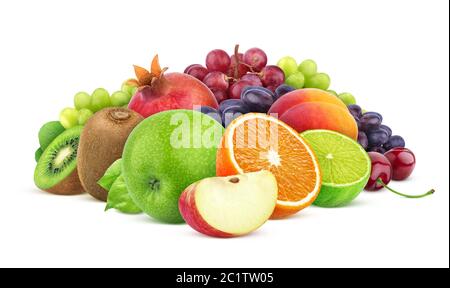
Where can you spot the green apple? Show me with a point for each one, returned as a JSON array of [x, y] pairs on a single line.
[[166, 153]]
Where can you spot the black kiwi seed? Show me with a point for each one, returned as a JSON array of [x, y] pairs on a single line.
[[73, 143]]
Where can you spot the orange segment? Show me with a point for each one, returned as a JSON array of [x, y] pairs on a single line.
[[255, 142]]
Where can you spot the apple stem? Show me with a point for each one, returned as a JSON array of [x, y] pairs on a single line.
[[431, 192]]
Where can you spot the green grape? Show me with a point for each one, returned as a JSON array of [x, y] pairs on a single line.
[[120, 98], [128, 88], [333, 92], [82, 100], [288, 65], [84, 116], [296, 80], [133, 92], [319, 81], [68, 118], [347, 98], [100, 100], [308, 68]]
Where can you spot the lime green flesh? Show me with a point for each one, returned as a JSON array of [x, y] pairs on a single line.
[[345, 167], [49, 132], [59, 159]]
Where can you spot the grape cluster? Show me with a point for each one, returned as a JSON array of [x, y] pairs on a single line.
[[227, 76], [86, 105], [373, 135], [306, 75], [252, 99]]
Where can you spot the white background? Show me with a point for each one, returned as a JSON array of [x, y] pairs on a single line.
[[393, 55]]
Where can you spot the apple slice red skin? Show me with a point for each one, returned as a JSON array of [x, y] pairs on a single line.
[[189, 211]]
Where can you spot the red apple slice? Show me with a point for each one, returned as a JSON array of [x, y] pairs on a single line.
[[230, 206]]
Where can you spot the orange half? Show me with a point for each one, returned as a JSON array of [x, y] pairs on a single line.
[[255, 142]]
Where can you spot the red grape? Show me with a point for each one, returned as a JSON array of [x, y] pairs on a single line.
[[272, 76], [221, 95], [256, 58], [197, 71], [218, 60], [272, 88], [189, 67], [236, 89], [216, 81], [242, 68], [253, 79]]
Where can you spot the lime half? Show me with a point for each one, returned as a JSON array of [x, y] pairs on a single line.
[[345, 167]]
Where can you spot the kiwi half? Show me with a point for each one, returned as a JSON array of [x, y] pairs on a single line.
[[56, 170], [101, 144]]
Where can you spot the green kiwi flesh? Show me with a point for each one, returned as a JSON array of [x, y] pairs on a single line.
[[56, 170]]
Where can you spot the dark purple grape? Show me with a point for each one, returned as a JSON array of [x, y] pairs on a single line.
[[387, 129], [374, 114], [283, 89], [380, 150], [394, 142], [358, 122], [363, 140], [370, 121], [229, 102], [377, 138], [211, 112], [355, 110], [233, 112], [258, 99]]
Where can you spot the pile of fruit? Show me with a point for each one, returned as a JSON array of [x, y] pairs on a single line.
[[224, 147]]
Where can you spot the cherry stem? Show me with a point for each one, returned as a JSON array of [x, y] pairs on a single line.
[[431, 192]]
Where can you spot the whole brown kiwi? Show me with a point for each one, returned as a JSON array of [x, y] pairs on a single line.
[[101, 143]]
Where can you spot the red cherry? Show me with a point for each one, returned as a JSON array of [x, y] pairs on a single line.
[[381, 169], [403, 162], [381, 175]]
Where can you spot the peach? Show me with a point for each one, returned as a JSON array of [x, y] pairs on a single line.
[[297, 97], [319, 115]]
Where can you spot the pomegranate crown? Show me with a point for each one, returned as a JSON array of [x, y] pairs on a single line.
[[145, 77]]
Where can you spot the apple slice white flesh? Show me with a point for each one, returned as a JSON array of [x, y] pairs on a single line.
[[230, 206]]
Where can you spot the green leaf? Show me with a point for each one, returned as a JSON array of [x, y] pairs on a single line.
[[119, 198], [113, 172]]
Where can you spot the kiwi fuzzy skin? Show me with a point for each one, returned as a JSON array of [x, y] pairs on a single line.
[[69, 186], [101, 143]]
